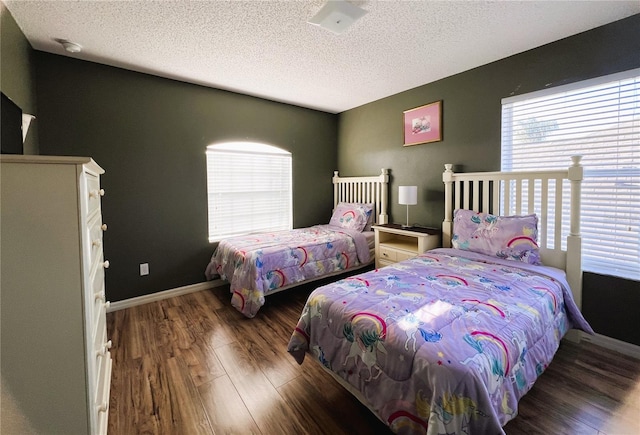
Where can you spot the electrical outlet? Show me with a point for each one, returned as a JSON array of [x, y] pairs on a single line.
[[144, 269]]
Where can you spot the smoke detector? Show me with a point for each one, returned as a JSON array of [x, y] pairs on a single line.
[[69, 46]]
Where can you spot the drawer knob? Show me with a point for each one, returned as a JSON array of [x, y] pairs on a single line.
[[105, 348], [100, 295], [103, 227], [106, 264], [96, 193], [97, 243], [107, 304]]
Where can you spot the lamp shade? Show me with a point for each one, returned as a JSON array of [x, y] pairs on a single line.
[[408, 195]]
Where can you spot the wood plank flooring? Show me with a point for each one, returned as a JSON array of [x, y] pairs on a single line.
[[194, 365]]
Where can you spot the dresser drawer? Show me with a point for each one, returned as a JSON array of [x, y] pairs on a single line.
[[101, 356], [100, 306], [100, 333], [95, 237], [102, 393], [102, 375], [101, 344], [94, 193], [97, 270], [103, 387]]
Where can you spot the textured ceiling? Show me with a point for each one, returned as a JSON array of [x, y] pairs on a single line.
[[267, 48]]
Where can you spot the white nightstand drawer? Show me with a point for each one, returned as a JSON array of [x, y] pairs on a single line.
[[388, 254], [400, 256], [382, 263]]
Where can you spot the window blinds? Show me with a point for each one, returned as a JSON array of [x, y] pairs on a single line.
[[600, 120], [248, 191]]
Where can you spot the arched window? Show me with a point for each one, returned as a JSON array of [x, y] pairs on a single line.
[[249, 189]]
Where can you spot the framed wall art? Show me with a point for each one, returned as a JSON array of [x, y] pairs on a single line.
[[423, 124]]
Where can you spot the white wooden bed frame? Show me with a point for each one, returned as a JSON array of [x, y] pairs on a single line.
[[365, 190], [481, 192], [372, 189]]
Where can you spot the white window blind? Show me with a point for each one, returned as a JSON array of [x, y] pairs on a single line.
[[600, 120], [249, 189]]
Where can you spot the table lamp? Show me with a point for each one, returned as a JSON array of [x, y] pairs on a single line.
[[407, 195]]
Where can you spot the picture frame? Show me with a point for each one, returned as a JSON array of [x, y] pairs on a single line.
[[422, 124]]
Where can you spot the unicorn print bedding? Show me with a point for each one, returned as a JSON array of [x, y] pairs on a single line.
[[258, 264], [445, 342]]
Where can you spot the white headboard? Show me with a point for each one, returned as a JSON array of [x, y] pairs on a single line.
[[372, 189], [539, 192]]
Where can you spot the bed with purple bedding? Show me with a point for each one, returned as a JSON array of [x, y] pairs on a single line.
[[259, 264], [445, 342], [256, 265]]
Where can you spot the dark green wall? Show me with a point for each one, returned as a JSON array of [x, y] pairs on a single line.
[[17, 73], [611, 304], [370, 136], [150, 135]]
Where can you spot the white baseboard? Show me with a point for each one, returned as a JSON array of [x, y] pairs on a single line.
[[141, 300], [613, 344]]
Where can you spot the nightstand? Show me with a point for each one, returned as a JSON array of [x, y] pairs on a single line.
[[394, 243]]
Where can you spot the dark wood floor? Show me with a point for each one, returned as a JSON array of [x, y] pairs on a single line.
[[194, 365]]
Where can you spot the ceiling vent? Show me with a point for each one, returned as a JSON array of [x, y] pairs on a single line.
[[337, 16]]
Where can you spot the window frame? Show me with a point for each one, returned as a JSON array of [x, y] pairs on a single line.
[[249, 189], [603, 175]]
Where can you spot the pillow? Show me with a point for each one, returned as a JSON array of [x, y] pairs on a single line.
[[371, 219], [351, 215], [508, 237]]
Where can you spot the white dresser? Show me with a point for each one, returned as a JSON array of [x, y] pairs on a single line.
[[55, 359]]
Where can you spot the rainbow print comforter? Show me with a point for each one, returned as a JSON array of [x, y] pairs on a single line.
[[259, 264], [444, 343]]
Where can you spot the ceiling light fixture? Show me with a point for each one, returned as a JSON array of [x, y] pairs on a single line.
[[337, 16], [71, 47]]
